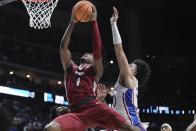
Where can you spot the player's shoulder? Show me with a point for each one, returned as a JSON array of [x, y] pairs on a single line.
[[135, 80], [72, 67], [134, 83], [128, 82]]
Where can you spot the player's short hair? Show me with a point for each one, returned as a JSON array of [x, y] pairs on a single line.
[[143, 71]]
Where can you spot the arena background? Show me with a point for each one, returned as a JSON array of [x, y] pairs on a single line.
[[160, 31]]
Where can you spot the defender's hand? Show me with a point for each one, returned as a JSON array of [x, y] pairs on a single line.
[[101, 91], [114, 17]]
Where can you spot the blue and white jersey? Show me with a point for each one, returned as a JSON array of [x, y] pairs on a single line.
[[126, 103]]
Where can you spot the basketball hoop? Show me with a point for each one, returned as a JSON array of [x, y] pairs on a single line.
[[40, 12]]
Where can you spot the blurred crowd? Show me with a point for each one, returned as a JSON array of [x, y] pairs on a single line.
[[16, 81], [23, 114], [14, 52]]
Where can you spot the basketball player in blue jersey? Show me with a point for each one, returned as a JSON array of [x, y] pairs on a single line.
[[130, 75]]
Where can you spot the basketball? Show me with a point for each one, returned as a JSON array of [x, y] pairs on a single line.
[[83, 11]]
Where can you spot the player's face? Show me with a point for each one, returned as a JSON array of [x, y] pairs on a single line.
[[133, 68], [87, 58]]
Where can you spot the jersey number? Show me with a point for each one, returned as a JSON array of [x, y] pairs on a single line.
[[78, 81], [78, 76]]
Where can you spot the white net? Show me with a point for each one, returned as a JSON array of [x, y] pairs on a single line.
[[40, 12]]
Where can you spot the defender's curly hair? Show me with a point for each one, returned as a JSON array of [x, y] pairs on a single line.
[[143, 71]]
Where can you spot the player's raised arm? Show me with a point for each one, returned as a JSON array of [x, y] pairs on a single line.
[[97, 45], [64, 51], [125, 72]]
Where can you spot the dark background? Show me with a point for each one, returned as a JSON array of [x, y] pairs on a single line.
[[162, 32]]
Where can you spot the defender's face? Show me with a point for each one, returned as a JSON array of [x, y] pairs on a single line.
[[87, 58], [133, 68]]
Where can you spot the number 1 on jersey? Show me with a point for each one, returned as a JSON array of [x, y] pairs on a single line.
[[78, 81]]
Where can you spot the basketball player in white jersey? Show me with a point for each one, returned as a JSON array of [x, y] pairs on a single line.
[[130, 75]]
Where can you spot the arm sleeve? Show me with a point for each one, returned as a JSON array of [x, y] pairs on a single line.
[[97, 44]]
